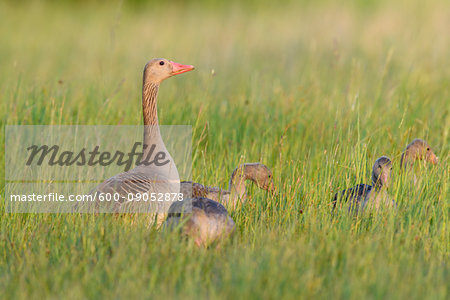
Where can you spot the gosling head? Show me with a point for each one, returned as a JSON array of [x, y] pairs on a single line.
[[159, 69], [418, 150], [260, 174], [381, 171]]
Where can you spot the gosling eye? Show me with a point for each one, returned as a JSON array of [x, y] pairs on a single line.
[[161, 63], [428, 149]]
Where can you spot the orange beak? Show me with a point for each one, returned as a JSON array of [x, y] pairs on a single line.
[[179, 68], [433, 159], [272, 189]]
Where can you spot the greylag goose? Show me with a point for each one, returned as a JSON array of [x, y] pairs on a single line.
[[201, 219], [362, 196], [148, 178], [256, 172], [418, 149]]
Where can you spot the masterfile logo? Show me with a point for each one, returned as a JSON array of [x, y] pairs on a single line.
[[52, 168]]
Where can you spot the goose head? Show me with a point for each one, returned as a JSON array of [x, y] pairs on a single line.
[[261, 175], [381, 171], [418, 149], [159, 69]]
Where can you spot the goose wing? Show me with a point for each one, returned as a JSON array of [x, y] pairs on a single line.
[[191, 189], [126, 183], [354, 196], [127, 187], [204, 220]]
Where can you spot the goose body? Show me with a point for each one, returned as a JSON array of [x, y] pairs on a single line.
[[147, 178], [258, 173], [201, 219]]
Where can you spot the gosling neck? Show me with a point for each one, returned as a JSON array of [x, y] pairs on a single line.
[[237, 183], [377, 183]]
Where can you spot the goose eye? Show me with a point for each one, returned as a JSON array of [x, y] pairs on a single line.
[[428, 149], [161, 63]]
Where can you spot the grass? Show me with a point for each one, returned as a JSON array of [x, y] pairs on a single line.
[[315, 91]]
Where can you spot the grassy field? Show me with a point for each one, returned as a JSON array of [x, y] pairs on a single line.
[[315, 91]]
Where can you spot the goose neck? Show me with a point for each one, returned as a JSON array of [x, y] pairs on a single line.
[[149, 103]]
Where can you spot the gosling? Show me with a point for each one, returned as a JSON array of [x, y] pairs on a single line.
[[364, 197], [260, 174], [417, 150]]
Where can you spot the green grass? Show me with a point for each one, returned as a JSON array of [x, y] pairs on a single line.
[[315, 91]]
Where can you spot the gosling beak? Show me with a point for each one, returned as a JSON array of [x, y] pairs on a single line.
[[272, 189], [434, 160], [179, 68], [385, 180]]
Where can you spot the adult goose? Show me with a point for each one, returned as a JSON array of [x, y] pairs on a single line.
[[146, 178], [258, 173], [203, 220], [369, 197]]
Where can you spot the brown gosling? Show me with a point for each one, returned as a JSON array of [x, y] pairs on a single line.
[[260, 174], [203, 220], [417, 150], [364, 197]]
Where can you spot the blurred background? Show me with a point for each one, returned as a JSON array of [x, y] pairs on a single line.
[[319, 71]]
